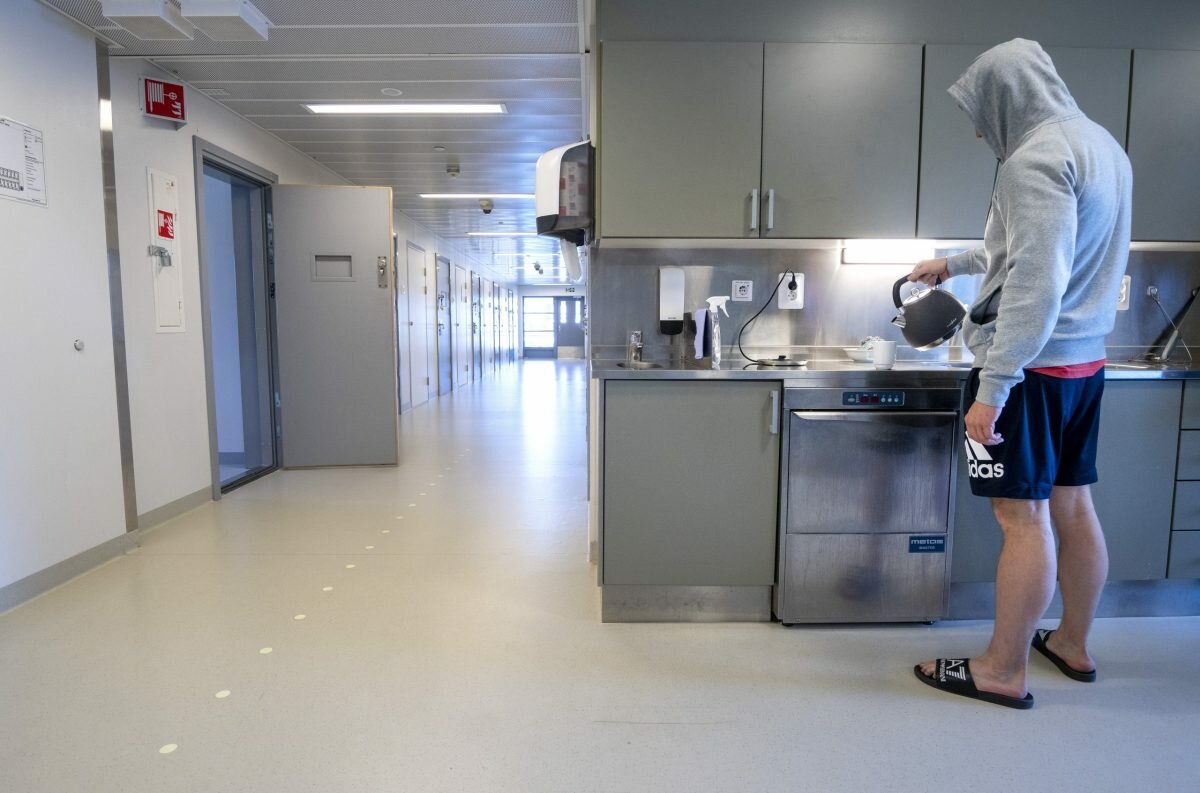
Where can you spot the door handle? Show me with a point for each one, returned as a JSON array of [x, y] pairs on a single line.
[[381, 268], [770, 209], [754, 209], [773, 422]]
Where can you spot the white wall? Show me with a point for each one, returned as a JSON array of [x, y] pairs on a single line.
[[60, 466], [167, 391]]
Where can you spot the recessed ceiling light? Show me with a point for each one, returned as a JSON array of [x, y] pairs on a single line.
[[391, 91], [439, 148], [420, 108], [476, 195], [501, 233]]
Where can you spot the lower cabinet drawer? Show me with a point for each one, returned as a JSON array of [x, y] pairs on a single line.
[[1185, 555], [1189, 455], [1187, 507]]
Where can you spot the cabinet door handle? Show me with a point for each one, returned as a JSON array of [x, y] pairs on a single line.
[[754, 209], [773, 423], [770, 209]]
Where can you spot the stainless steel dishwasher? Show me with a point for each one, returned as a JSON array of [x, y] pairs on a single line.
[[867, 501]]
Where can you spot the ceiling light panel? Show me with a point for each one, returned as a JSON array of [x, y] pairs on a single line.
[[432, 12], [407, 108], [452, 196]]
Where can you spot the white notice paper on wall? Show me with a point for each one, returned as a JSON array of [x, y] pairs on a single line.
[[22, 163]]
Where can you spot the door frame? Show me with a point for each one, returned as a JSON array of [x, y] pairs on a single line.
[[441, 263], [204, 152]]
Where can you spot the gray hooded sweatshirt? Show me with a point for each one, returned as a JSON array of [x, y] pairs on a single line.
[[1057, 236]]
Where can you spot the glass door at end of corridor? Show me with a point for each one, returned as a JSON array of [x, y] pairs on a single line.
[[570, 324], [537, 320]]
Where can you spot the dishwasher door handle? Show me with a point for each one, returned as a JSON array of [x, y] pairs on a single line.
[[773, 422], [871, 416]]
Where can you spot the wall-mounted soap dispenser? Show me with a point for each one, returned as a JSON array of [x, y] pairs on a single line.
[[670, 301]]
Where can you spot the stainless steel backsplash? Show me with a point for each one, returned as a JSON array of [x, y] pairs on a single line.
[[844, 303]]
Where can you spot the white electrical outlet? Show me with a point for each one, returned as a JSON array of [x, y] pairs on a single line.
[[791, 298], [1123, 296], [742, 291]]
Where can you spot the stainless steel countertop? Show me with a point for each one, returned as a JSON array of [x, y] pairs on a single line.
[[845, 372]]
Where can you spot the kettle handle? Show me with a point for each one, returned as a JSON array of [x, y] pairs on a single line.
[[896, 291]]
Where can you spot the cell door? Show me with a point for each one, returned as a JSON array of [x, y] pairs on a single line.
[[400, 268], [485, 326], [476, 328], [418, 316], [497, 327], [569, 335], [460, 315], [445, 339], [336, 318]]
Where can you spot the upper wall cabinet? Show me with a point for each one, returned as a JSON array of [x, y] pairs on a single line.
[[841, 124], [680, 139], [1164, 145], [957, 170]]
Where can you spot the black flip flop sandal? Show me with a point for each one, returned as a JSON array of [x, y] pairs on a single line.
[[1039, 644], [953, 675]]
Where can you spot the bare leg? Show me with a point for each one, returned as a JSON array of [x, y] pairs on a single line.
[[1024, 586], [1082, 570]]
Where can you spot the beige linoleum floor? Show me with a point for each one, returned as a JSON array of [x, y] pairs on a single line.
[[462, 652]]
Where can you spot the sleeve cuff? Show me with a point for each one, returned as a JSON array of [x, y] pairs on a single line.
[[959, 263], [992, 393]]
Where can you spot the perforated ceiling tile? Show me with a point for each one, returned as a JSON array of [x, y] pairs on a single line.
[[436, 12], [315, 122], [428, 69], [372, 41], [465, 91], [449, 137]]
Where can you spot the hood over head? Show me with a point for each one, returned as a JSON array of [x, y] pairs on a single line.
[[1011, 90]]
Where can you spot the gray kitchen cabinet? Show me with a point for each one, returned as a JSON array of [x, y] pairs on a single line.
[[1163, 123], [841, 131], [680, 138], [1190, 419], [957, 170], [1185, 555], [691, 481], [1139, 434]]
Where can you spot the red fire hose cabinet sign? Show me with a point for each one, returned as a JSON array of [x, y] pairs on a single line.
[[161, 99]]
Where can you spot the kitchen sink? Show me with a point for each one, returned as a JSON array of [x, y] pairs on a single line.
[[639, 365]]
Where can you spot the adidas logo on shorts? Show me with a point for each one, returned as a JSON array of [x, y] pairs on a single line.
[[980, 464]]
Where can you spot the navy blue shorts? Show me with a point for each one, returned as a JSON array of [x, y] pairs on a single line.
[[1050, 427]]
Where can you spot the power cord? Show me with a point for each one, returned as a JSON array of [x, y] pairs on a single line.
[[791, 286]]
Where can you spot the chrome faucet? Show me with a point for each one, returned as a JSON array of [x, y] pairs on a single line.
[[1162, 356], [634, 352]]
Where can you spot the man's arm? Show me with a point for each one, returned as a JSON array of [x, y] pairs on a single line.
[[933, 271], [1040, 215]]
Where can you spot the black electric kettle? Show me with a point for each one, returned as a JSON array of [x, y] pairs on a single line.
[[927, 318]]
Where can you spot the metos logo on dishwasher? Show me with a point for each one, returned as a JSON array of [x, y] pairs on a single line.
[[979, 462]]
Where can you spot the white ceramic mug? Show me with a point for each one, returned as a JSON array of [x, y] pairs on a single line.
[[883, 354]]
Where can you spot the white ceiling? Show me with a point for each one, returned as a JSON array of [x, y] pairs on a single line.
[[527, 54]]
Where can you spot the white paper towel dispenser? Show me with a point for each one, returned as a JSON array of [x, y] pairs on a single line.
[[564, 200]]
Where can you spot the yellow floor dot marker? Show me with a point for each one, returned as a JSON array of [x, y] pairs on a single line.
[[399, 517], [369, 547], [299, 616], [386, 531], [350, 567], [422, 494], [412, 505], [266, 651], [223, 693], [327, 589], [168, 748]]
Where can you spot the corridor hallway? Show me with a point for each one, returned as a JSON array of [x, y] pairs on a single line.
[[450, 642]]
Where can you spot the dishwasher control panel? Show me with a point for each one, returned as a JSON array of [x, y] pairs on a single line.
[[874, 399]]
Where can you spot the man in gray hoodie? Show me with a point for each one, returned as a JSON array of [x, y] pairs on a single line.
[[1055, 247]]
